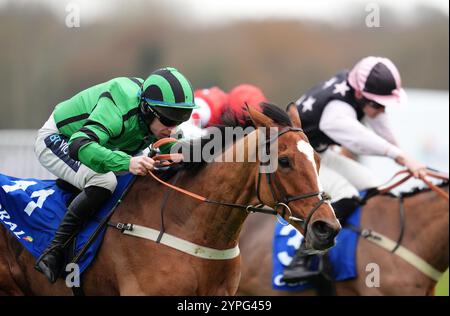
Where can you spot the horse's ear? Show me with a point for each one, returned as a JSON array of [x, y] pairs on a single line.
[[258, 118], [292, 111]]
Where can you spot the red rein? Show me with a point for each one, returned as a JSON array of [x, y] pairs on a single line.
[[408, 175]]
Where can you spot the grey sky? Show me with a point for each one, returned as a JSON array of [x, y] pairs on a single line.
[[327, 10], [225, 11]]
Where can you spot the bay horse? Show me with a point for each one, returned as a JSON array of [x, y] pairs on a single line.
[[128, 265], [426, 224]]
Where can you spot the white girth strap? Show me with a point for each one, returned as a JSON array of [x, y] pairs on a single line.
[[183, 245], [404, 253]]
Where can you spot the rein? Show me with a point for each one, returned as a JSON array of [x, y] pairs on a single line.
[[170, 159], [430, 173], [380, 190]]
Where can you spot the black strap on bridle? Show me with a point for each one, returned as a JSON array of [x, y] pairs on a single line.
[[163, 207], [402, 223]]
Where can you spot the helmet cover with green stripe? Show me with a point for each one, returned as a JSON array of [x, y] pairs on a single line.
[[169, 93]]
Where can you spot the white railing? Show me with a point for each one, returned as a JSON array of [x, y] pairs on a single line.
[[17, 156]]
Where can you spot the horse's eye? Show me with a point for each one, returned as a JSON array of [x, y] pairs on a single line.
[[284, 162]]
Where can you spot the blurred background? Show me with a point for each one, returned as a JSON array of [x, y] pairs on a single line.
[[285, 47], [52, 49]]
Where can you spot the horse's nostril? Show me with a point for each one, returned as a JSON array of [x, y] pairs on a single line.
[[323, 230]]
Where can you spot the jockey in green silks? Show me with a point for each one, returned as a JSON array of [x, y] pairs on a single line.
[[96, 133]]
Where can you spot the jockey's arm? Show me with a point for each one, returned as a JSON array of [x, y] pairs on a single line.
[[382, 127], [87, 144], [339, 122]]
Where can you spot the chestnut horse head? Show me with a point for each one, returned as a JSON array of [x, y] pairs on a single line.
[[294, 188]]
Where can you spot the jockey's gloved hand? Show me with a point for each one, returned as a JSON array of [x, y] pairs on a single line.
[[417, 168], [140, 165]]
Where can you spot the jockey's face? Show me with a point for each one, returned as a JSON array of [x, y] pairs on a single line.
[[369, 107], [160, 130], [372, 111]]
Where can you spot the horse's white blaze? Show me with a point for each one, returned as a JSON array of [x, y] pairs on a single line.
[[308, 151], [305, 148]]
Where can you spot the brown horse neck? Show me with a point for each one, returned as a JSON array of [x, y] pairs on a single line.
[[233, 182], [221, 225], [207, 224]]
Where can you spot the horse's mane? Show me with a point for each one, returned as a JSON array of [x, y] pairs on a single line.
[[272, 111], [416, 190]]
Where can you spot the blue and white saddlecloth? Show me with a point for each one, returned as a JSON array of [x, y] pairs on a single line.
[[33, 209], [342, 256]]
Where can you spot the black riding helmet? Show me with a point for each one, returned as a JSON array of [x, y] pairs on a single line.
[[167, 95]]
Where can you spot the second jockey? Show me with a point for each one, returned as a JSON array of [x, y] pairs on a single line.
[[333, 113]]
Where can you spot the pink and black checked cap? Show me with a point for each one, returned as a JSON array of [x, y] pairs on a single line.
[[378, 80]]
